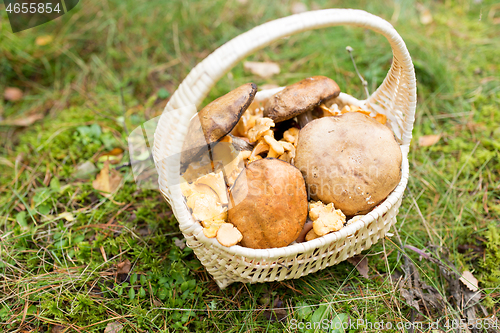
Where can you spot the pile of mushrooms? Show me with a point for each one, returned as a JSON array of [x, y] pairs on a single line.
[[250, 168]]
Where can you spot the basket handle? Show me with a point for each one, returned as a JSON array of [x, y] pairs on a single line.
[[397, 92]]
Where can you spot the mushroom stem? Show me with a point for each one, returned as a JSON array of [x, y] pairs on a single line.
[[241, 144], [304, 118]]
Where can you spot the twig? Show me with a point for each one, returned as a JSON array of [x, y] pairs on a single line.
[[363, 81], [124, 111]]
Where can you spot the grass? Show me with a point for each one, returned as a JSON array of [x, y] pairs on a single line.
[[113, 65]]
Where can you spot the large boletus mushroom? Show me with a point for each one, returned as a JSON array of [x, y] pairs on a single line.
[[215, 121], [351, 160], [270, 204], [300, 98]]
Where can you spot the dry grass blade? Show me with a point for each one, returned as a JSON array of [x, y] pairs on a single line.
[[24, 121], [428, 140]]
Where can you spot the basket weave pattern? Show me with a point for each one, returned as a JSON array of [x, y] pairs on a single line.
[[395, 98]]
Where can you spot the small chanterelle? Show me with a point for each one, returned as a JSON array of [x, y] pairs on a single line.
[[249, 168]]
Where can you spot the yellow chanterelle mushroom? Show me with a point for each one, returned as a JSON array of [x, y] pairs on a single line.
[[325, 218]]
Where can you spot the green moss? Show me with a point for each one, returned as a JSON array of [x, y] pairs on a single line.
[[491, 263]]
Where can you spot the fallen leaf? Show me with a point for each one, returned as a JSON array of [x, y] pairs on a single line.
[[44, 40], [298, 7], [426, 17], [114, 156], [425, 14], [67, 216], [408, 296], [113, 327], [107, 180], [262, 69], [276, 312], [113, 152], [428, 140], [123, 270], [180, 243], [142, 231], [123, 267], [12, 94], [361, 264], [469, 281], [84, 170], [57, 329], [24, 121]]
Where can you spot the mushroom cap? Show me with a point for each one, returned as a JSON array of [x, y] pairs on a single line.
[[351, 160], [300, 97], [216, 120], [270, 204]]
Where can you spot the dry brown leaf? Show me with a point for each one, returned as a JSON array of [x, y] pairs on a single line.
[[408, 296], [114, 156], [57, 329], [425, 14], [123, 267], [107, 180], [113, 152], [426, 17], [262, 69], [276, 311], [428, 140], [180, 243], [469, 281], [361, 264], [12, 94], [44, 40], [23, 122], [113, 327]]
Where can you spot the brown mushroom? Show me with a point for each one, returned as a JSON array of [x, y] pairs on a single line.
[[351, 160], [269, 204], [311, 235], [215, 121], [307, 227], [300, 98]]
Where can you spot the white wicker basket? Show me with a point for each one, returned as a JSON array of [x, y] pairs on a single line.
[[396, 98]]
